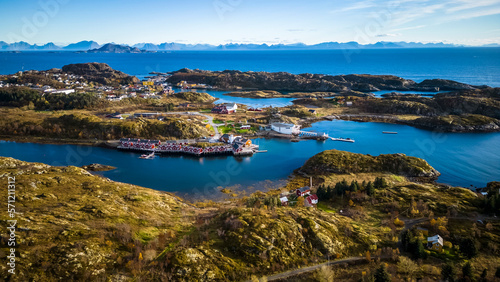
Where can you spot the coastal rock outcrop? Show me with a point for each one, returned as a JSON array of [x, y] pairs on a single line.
[[341, 162], [100, 73], [459, 111], [454, 123]]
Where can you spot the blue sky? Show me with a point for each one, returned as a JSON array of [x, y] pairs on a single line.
[[471, 22]]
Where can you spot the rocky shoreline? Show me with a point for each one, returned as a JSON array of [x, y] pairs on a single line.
[[264, 94], [421, 123]]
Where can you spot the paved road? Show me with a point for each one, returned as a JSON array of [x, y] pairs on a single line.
[[287, 274]]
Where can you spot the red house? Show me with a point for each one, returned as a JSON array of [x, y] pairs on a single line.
[[311, 201], [303, 191]]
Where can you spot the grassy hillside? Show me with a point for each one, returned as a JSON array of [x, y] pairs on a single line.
[[86, 125], [75, 226]]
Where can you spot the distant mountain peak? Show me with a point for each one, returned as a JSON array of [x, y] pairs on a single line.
[[170, 46], [115, 48]]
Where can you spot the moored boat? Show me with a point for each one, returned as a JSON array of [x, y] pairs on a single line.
[[148, 156], [343, 139]]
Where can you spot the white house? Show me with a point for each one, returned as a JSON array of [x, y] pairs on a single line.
[[435, 243], [285, 128], [231, 107], [284, 201]]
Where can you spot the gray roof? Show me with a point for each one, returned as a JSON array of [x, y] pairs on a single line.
[[282, 125], [303, 189]]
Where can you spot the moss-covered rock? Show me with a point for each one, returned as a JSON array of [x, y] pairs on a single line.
[[341, 162], [197, 97]]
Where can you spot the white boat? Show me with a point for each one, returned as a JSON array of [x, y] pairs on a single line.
[[147, 157], [343, 139]]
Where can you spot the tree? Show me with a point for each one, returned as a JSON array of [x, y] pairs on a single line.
[[467, 272], [406, 240], [484, 275], [324, 274], [497, 273], [468, 247], [407, 266], [354, 187], [380, 182], [418, 250], [448, 272], [381, 274], [370, 189], [322, 193]]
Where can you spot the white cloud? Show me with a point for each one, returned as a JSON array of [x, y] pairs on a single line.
[[473, 14], [355, 6], [409, 28], [471, 4], [388, 35]]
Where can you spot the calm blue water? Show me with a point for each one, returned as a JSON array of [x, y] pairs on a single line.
[[463, 159], [381, 92], [250, 102], [467, 65]]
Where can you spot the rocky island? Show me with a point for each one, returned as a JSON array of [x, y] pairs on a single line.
[[283, 81], [115, 48]]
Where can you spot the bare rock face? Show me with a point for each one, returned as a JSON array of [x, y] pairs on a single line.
[[100, 73]]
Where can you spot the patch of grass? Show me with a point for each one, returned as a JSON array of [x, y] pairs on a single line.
[[225, 129], [324, 207], [446, 254], [397, 178], [217, 121], [147, 234]]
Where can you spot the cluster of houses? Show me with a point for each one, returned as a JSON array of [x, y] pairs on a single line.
[[311, 200], [185, 85], [226, 108], [76, 83], [183, 147], [237, 142]]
